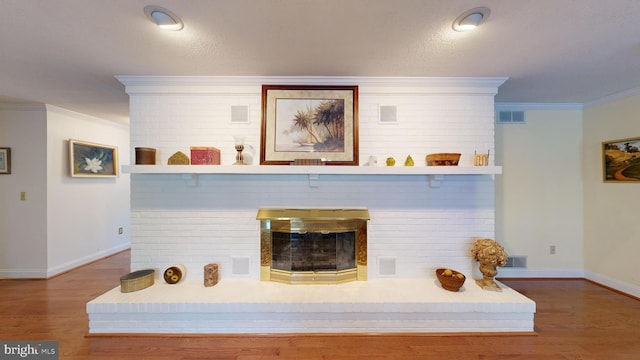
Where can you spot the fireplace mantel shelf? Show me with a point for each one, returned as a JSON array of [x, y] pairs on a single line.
[[310, 170], [191, 172]]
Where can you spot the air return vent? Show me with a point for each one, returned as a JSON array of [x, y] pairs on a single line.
[[511, 117], [240, 114], [387, 114], [516, 262]]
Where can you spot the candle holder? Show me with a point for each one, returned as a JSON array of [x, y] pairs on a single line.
[[239, 145]]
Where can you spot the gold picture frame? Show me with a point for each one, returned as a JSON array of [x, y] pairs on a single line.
[[621, 160], [5, 160], [309, 122], [92, 160]]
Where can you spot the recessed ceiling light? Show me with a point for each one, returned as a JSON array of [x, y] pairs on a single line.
[[471, 19], [164, 18]]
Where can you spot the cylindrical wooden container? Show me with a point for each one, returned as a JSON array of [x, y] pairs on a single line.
[[145, 156], [174, 274]]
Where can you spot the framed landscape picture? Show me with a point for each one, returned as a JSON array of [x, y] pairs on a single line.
[[313, 122], [5, 160], [621, 160], [92, 160]]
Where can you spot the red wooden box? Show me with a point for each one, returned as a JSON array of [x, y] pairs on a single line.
[[201, 155]]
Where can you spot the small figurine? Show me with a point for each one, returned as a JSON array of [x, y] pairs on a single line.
[[391, 161], [408, 161]]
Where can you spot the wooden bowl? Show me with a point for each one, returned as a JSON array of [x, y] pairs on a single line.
[[443, 159], [451, 283]]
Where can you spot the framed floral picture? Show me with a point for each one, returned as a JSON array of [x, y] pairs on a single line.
[[621, 160], [301, 122], [92, 160], [5, 160]]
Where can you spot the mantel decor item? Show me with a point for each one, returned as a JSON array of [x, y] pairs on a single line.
[[450, 279], [174, 274], [179, 158], [5, 160], [443, 159], [239, 145], [92, 160], [481, 159], [490, 255], [621, 160], [137, 280], [315, 121], [205, 155], [145, 156]]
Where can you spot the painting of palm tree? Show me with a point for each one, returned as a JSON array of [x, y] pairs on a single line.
[[311, 125], [309, 122]]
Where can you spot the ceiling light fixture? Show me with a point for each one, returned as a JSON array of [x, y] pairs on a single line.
[[471, 19], [164, 18]]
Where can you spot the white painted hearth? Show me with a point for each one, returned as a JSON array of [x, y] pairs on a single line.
[[421, 218]]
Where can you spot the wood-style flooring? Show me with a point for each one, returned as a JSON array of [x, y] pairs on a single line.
[[575, 319]]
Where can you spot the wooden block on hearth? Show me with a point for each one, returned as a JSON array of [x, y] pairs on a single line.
[[210, 275]]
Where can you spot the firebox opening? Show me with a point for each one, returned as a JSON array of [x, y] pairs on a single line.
[[313, 251], [320, 246]]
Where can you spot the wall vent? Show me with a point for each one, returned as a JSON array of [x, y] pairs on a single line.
[[516, 262], [511, 117], [240, 114], [387, 266], [240, 265], [387, 114]]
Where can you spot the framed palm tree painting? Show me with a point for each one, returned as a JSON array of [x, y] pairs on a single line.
[[92, 160], [301, 122]]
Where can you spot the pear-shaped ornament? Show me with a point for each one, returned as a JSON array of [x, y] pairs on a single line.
[[409, 161]]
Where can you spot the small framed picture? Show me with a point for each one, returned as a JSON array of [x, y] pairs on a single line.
[[309, 122], [5, 160], [621, 160], [92, 160]]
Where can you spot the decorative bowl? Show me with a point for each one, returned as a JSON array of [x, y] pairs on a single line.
[[443, 159], [451, 282]]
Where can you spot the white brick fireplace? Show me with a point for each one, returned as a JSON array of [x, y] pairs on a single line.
[[419, 222]]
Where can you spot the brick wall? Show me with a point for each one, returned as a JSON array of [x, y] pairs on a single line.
[[418, 226]]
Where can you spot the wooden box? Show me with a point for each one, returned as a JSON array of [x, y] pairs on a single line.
[[201, 155], [210, 275]]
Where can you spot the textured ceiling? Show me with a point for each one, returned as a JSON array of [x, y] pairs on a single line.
[[67, 52]]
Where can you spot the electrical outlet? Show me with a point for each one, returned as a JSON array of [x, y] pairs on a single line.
[[120, 231], [552, 250]]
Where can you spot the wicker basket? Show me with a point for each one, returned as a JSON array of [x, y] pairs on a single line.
[[443, 159], [451, 283]]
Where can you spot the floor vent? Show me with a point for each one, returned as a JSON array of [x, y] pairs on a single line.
[[516, 262], [511, 117]]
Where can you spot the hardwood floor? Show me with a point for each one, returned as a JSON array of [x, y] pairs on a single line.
[[575, 319]]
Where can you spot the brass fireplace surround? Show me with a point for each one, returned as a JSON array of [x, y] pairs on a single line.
[[350, 224]]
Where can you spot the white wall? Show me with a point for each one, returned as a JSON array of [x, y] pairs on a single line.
[[611, 226], [539, 195], [23, 226], [84, 214], [421, 227], [64, 222]]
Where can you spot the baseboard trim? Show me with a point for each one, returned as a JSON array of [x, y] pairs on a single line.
[[342, 335]]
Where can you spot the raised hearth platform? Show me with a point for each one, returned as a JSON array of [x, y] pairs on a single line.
[[252, 306]]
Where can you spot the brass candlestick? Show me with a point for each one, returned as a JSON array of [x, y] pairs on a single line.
[[239, 145]]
